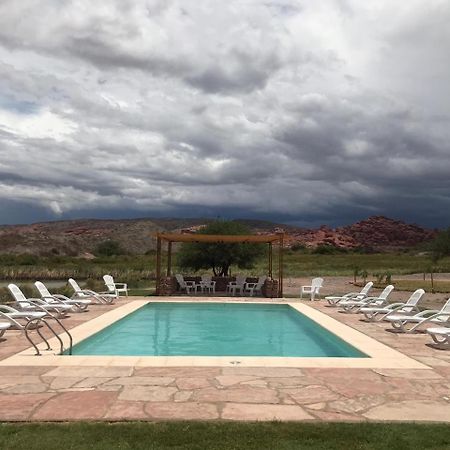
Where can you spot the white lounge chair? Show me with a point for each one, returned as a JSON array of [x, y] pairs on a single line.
[[354, 306], [313, 289], [374, 313], [400, 321], [83, 294], [3, 327], [37, 304], [333, 300], [255, 288], [14, 316], [77, 305], [440, 335], [113, 287], [234, 286], [206, 284], [187, 286]]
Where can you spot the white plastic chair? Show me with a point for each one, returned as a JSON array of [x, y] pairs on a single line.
[[234, 286], [206, 284], [113, 287], [255, 288], [313, 289], [187, 286]]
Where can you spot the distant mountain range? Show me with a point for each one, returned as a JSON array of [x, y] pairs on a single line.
[[136, 236]]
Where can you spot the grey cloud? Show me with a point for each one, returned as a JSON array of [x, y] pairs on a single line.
[[212, 108]]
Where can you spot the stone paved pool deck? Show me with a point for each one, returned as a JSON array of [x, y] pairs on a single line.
[[130, 392]]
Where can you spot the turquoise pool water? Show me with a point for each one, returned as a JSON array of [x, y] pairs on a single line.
[[216, 329]]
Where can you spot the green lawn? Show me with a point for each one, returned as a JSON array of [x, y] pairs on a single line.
[[223, 436]]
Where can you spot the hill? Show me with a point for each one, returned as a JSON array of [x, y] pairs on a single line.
[[79, 237]]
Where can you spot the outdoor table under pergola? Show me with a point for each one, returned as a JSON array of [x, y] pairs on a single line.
[[270, 239]]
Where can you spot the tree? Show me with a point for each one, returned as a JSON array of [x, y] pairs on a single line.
[[219, 256], [440, 246], [109, 248]]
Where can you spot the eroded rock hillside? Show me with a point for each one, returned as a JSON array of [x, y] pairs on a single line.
[[81, 237]]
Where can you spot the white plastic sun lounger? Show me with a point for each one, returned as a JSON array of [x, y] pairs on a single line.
[[99, 297], [354, 306], [14, 316], [3, 327], [76, 305], [440, 335], [334, 300], [400, 322], [36, 304], [113, 287], [373, 313]]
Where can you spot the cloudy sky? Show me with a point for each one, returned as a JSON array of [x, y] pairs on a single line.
[[291, 110]]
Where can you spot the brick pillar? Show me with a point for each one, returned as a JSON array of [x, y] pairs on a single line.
[[168, 286], [270, 288]]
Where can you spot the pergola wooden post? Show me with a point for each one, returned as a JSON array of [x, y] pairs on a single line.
[[269, 239]]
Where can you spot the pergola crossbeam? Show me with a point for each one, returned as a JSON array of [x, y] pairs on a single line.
[[269, 239]]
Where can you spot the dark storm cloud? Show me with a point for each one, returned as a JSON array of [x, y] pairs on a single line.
[[296, 111]]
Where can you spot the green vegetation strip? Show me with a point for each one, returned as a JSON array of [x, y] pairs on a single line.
[[224, 436]]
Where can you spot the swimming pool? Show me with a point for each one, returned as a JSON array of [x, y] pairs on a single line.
[[216, 329]]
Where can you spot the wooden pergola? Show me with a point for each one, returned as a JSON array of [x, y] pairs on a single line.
[[170, 238]]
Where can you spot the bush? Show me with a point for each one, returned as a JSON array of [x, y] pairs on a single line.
[[95, 285], [326, 249], [5, 295], [109, 248], [297, 247]]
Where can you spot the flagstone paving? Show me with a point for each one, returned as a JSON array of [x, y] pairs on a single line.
[[44, 393]]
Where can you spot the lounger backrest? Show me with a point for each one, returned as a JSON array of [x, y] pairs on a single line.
[[8, 318], [180, 280], [386, 291], [446, 308], [74, 285], [16, 293], [7, 309], [43, 291], [261, 281], [109, 281], [415, 297], [365, 290]]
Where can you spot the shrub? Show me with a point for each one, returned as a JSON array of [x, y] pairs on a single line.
[[297, 247], [109, 248], [327, 249]]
